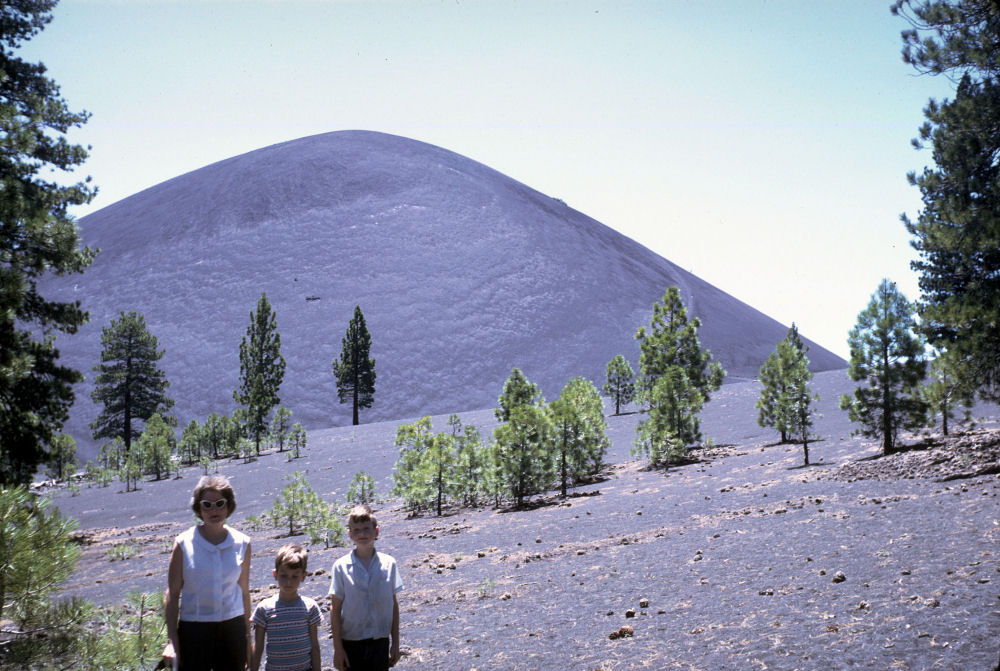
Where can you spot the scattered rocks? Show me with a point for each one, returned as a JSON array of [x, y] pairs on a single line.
[[623, 632], [839, 577]]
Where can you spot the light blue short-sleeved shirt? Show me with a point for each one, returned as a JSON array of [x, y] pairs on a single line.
[[366, 595]]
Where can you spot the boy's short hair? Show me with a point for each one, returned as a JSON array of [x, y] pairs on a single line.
[[292, 556], [360, 514], [217, 483]]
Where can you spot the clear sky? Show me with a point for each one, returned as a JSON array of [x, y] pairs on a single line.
[[761, 144]]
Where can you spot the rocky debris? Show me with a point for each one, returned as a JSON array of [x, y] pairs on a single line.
[[970, 454], [623, 632], [839, 577]]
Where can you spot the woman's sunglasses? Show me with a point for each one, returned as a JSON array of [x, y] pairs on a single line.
[[208, 505]]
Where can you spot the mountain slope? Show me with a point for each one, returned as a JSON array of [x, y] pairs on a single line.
[[462, 273]]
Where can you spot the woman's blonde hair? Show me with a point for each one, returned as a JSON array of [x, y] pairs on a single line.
[[215, 483]]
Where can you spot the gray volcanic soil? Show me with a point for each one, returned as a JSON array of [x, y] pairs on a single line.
[[738, 556]]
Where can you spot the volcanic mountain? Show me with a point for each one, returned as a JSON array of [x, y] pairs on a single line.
[[462, 274]]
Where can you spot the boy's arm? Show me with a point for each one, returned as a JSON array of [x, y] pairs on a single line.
[[394, 643], [314, 651], [340, 661], [258, 647]]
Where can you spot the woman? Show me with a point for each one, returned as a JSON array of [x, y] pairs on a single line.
[[208, 628]]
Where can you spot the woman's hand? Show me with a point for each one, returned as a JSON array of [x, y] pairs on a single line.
[[169, 656]]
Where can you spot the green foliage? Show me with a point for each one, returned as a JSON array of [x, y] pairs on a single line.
[[280, 427], [362, 489], [37, 236], [887, 355], [675, 379], [581, 441], [957, 233], [949, 385], [517, 391], [191, 442], [469, 462], [524, 454], [412, 476], [36, 553], [62, 457], [262, 368], [155, 447], [620, 385], [297, 440], [782, 375], [355, 370], [302, 510], [128, 382], [123, 551]]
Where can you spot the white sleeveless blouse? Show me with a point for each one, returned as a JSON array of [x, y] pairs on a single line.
[[211, 591]]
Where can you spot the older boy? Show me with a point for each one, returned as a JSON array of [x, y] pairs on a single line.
[[289, 622], [364, 612]]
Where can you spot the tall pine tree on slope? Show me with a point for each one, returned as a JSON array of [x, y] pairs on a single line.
[[957, 233], [355, 370], [37, 236], [262, 368], [128, 382], [887, 355]]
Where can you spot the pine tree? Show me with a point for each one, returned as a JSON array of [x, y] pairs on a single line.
[[676, 377], [62, 457], [957, 233], [128, 381], [887, 355], [524, 452], [411, 479], [581, 440], [262, 368], [156, 445], [517, 391], [37, 553], [37, 236], [620, 385], [470, 462], [280, 426], [949, 385], [784, 368], [355, 371], [361, 489]]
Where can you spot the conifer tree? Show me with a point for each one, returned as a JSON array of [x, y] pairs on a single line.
[[620, 385], [280, 426], [37, 236], [411, 479], [784, 369], [524, 452], [676, 377], [957, 233], [470, 462], [62, 457], [517, 391], [262, 368], [580, 436], [887, 356], [156, 445], [948, 386], [128, 382], [354, 370]]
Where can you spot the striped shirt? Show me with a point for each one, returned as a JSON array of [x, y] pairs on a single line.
[[287, 624]]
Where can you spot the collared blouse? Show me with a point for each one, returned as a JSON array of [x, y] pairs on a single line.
[[211, 573]]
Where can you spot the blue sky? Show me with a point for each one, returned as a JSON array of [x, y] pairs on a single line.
[[761, 144]]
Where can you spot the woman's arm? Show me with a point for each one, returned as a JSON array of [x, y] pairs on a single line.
[[244, 583], [171, 604]]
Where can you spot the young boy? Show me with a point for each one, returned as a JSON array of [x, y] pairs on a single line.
[[364, 612], [288, 621]]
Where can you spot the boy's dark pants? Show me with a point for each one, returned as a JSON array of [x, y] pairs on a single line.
[[371, 654]]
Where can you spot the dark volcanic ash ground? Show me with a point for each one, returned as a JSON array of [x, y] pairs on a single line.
[[744, 560]]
